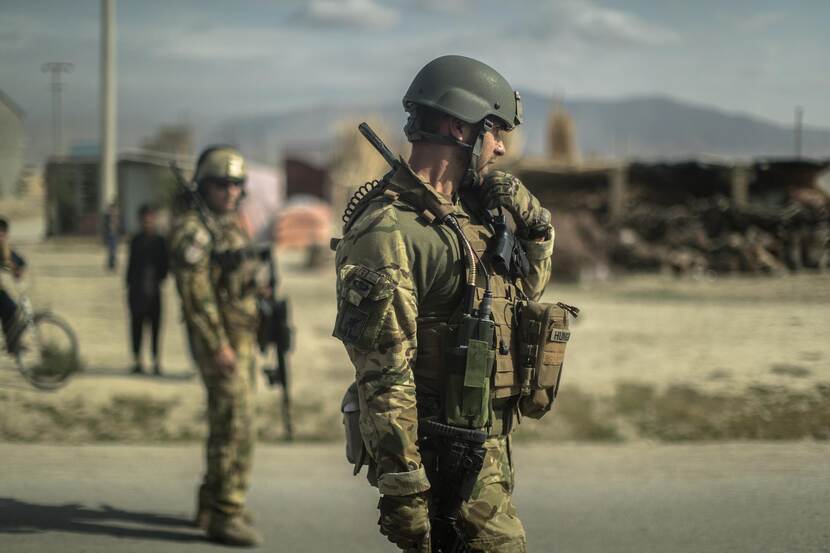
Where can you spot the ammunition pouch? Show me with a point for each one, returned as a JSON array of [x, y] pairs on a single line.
[[543, 335], [355, 448]]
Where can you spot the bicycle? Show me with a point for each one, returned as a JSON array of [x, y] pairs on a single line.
[[46, 346]]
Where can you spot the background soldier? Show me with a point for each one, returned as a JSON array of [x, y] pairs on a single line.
[[217, 289], [401, 287]]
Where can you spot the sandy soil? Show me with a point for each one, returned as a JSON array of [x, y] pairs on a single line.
[[719, 336]]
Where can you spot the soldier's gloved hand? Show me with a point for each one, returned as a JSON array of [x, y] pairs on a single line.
[[503, 190], [225, 360], [404, 520]]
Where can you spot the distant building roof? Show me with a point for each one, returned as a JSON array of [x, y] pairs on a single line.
[[8, 102]]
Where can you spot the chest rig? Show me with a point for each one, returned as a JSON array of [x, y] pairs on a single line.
[[466, 363], [233, 273]]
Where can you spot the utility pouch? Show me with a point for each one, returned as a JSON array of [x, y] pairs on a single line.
[[363, 298], [543, 335], [350, 407], [467, 399]]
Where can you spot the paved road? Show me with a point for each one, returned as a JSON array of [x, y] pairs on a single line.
[[574, 498]]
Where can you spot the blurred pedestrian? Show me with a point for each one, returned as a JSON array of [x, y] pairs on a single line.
[[146, 270], [110, 231], [14, 263]]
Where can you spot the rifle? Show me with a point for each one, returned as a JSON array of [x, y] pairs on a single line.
[[275, 330], [460, 456]]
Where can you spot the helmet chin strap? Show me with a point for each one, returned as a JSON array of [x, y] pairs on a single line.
[[471, 176]]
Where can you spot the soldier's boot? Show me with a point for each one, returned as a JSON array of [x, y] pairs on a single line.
[[232, 530], [202, 518]]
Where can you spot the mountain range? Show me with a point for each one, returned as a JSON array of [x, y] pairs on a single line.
[[644, 127]]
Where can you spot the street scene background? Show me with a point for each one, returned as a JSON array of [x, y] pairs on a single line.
[[683, 151]]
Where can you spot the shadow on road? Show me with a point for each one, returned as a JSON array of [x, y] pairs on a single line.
[[105, 372], [20, 517]]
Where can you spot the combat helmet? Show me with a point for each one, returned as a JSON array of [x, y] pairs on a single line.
[[220, 162], [466, 89]]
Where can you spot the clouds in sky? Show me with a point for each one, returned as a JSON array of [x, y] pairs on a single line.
[[349, 13], [208, 60], [587, 21]]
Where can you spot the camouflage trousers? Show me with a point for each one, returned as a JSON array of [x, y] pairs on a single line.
[[231, 432], [489, 518]]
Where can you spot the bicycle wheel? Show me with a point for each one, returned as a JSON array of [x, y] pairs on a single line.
[[48, 352]]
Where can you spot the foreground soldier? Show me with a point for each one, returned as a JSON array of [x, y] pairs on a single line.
[[218, 300], [432, 338]]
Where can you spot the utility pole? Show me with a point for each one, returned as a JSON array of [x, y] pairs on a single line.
[[55, 69], [799, 123], [107, 182]]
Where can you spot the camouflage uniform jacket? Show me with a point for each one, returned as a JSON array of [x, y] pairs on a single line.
[[418, 270], [217, 301]]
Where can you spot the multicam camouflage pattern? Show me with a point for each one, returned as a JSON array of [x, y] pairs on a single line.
[[404, 520], [489, 517], [219, 308], [396, 271], [214, 299], [230, 441]]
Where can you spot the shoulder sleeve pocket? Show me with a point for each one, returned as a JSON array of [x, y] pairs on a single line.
[[363, 300]]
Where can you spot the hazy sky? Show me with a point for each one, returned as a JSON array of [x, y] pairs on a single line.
[[206, 60]]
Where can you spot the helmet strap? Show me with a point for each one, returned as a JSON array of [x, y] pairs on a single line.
[[471, 177], [415, 133]]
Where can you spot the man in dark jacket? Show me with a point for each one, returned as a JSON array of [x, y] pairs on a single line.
[[146, 270]]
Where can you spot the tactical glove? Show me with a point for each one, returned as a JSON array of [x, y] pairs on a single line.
[[404, 520], [503, 190]]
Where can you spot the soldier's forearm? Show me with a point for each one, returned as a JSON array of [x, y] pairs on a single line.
[[202, 311], [539, 255], [389, 425], [209, 333]]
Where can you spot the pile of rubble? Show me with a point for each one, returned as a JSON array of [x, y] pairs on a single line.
[[714, 235]]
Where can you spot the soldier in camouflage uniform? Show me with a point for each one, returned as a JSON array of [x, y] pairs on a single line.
[[217, 289], [401, 278]]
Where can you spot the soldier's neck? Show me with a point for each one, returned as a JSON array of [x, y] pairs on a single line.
[[438, 168]]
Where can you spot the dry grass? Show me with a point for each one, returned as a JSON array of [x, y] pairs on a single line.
[[652, 358]]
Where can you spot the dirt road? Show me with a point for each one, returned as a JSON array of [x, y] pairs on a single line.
[[742, 351], [752, 498]]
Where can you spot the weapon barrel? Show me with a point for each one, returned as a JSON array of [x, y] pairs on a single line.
[[375, 141]]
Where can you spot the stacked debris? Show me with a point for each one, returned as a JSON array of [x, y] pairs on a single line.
[[692, 217], [713, 234]]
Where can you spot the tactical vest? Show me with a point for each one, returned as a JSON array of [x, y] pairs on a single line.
[[436, 336], [233, 276]]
